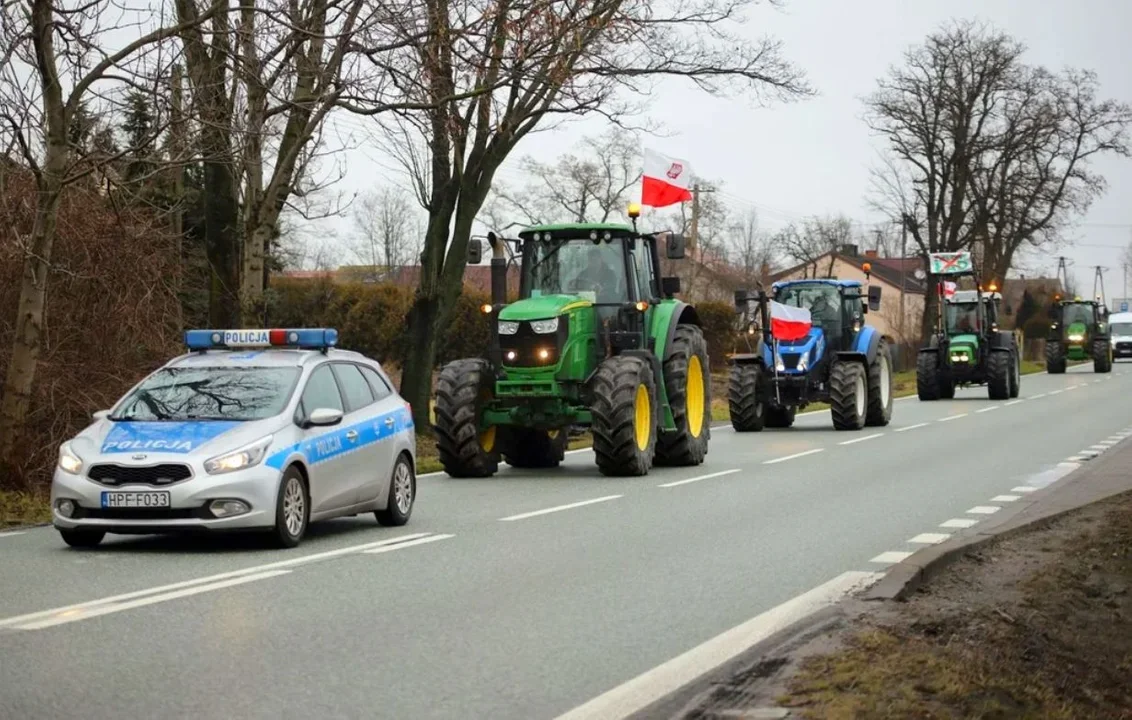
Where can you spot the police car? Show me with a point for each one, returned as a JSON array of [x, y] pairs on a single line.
[[251, 430]]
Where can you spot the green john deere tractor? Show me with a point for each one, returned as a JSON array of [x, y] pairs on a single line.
[[595, 339], [968, 348], [1078, 330]]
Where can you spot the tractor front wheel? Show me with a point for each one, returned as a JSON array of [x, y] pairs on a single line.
[[687, 377], [745, 399], [848, 395], [624, 416], [1000, 373], [530, 448], [462, 390], [1055, 357], [1102, 356], [1016, 375], [879, 412]]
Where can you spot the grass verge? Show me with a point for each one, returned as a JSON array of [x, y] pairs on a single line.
[[23, 508]]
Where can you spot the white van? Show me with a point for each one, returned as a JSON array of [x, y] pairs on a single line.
[[1120, 324]]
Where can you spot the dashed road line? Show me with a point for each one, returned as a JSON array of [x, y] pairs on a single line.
[[792, 457], [930, 538], [1004, 498], [559, 508], [911, 427], [1023, 489], [984, 510], [860, 439], [701, 477], [988, 409], [1075, 458], [959, 523], [890, 557], [952, 417]]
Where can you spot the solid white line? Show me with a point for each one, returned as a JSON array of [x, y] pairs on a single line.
[[1023, 489], [791, 457], [95, 611], [411, 543], [1015, 402], [1072, 387], [1054, 392], [911, 427], [302, 559], [959, 523], [559, 508], [988, 409], [984, 510], [701, 477], [860, 439], [890, 557], [930, 538], [953, 417], [14, 533], [645, 689], [1004, 498]]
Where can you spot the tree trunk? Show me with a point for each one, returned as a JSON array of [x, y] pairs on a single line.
[[252, 280], [222, 238], [931, 310]]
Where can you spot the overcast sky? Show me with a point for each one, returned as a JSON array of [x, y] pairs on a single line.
[[813, 156]]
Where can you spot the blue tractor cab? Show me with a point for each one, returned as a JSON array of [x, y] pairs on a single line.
[[839, 360]]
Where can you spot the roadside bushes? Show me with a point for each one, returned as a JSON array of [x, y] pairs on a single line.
[[718, 320]]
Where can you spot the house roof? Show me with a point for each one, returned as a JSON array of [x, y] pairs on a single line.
[[897, 272]]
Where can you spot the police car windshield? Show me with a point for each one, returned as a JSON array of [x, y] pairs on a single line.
[[210, 393]]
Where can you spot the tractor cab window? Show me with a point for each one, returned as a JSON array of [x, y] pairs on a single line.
[[575, 267], [962, 318], [821, 299], [642, 263], [1077, 313]]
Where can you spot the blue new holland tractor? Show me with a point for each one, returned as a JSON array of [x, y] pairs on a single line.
[[841, 360]]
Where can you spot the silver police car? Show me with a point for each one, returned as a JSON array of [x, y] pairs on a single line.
[[251, 430]]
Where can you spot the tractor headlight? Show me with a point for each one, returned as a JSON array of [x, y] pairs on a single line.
[[778, 364], [508, 327], [544, 327], [1076, 337], [804, 360]]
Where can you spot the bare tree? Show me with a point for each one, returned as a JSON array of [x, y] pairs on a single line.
[[386, 236], [709, 258], [815, 242], [54, 71], [749, 250], [541, 61], [586, 187]]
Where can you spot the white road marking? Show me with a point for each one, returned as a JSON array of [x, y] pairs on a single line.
[[559, 508], [1074, 458], [952, 417], [1088, 454], [984, 510], [97, 610], [988, 409], [648, 687], [911, 427], [701, 477], [1004, 498], [1039, 395], [1106, 443], [930, 538], [1054, 392], [14, 533], [1048, 477], [1099, 447], [791, 457], [860, 439], [1023, 489], [1014, 402], [1073, 387], [959, 523], [210, 579], [890, 557], [411, 543]]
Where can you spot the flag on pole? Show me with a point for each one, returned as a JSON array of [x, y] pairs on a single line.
[[947, 289], [788, 322], [664, 181]]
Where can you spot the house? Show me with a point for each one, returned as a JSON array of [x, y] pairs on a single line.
[[476, 277], [903, 279]]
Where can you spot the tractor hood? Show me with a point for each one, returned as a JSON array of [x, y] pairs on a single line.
[[792, 353], [963, 348], [542, 307], [964, 340]]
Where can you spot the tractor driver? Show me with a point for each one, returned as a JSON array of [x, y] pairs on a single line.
[[599, 277], [824, 313]]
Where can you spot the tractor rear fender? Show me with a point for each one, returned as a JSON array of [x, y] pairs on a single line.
[[852, 355], [1003, 340]]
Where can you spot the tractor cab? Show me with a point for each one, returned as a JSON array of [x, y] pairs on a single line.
[[835, 306]]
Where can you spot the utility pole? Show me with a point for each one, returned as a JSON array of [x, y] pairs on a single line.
[[903, 272], [1098, 279]]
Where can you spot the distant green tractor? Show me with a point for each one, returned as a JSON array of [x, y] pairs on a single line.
[[595, 339], [968, 348], [1078, 331]]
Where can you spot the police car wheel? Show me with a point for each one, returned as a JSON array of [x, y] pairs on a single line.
[[292, 509], [82, 538], [402, 495]]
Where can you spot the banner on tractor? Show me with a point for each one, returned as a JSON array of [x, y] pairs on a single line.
[[949, 263], [789, 323]]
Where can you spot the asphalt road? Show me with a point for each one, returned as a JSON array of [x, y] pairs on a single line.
[[489, 607]]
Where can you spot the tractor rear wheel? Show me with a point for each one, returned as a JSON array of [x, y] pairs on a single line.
[[879, 412], [687, 377], [848, 395], [1000, 372], [463, 388], [531, 448], [745, 400], [1102, 356], [624, 416], [781, 416], [1055, 357], [929, 385]]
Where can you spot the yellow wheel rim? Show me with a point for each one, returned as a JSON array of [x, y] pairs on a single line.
[[695, 396], [642, 420], [487, 439], [552, 434]]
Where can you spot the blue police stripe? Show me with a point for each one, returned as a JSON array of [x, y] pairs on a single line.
[[334, 443]]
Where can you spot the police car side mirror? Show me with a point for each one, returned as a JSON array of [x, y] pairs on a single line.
[[100, 414], [322, 417]]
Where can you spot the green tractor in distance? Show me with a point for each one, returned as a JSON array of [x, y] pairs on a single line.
[[595, 339], [968, 348], [1078, 330]]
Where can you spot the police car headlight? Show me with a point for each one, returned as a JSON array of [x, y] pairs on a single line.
[[246, 457], [69, 461], [543, 327]]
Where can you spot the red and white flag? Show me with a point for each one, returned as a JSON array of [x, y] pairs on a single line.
[[664, 181], [947, 289], [788, 322]]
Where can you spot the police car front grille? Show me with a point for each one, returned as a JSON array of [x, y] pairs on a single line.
[[164, 474]]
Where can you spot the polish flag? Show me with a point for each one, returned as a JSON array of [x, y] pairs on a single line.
[[947, 289], [664, 180], [788, 322]]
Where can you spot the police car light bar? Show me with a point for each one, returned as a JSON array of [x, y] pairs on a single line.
[[304, 338]]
